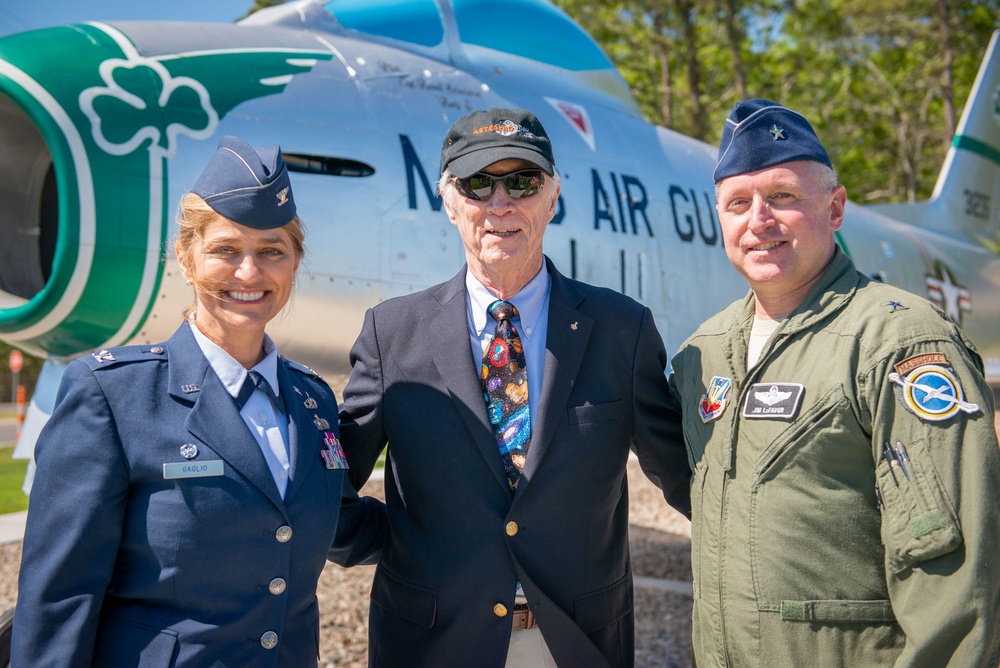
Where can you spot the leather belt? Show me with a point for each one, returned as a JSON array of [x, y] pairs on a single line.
[[522, 618]]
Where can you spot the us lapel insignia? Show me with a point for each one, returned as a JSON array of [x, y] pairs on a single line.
[[713, 403], [188, 389]]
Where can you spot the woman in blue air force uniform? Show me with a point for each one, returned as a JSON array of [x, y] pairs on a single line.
[[181, 513]]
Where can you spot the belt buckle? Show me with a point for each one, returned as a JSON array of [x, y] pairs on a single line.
[[522, 618]]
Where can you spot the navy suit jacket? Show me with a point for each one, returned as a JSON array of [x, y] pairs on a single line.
[[459, 538], [122, 567]]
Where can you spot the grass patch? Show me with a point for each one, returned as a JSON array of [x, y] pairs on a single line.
[[12, 471]]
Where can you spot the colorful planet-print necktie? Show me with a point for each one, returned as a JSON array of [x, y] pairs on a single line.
[[505, 386]]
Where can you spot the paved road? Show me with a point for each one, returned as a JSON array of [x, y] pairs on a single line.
[[7, 430]]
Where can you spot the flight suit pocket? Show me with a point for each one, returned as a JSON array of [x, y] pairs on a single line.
[[413, 603], [838, 612], [918, 521], [697, 519]]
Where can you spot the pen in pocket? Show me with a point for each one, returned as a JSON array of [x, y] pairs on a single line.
[[890, 457], [902, 457]]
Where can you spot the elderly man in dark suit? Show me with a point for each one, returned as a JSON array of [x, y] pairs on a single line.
[[509, 397]]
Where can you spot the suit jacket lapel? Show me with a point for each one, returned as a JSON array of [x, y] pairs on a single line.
[[303, 437], [447, 328], [565, 344], [214, 418]]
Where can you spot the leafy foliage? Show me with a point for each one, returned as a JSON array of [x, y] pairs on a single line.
[[882, 81]]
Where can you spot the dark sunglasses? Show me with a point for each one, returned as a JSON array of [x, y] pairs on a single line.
[[520, 184]]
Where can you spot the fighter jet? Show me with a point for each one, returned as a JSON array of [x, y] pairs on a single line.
[[104, 126]]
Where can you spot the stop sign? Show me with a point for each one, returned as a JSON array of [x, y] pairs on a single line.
[[16, 361]]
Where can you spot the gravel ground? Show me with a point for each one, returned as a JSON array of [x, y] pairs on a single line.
[[659, 540]]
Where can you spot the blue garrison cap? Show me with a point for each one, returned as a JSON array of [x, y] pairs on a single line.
[[247, 184], [761, 133]]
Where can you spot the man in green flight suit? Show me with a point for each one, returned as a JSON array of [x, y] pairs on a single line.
[[841, 433]]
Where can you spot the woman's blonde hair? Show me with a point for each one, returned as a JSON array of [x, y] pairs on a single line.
[[194, 216]]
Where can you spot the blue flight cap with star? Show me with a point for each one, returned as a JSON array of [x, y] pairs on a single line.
[[247, 184], [761, 133]]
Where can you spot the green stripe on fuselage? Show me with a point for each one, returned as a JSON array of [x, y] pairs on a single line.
[[978, 147]]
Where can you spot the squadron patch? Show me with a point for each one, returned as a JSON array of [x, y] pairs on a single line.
[[773, 400], [929, 388], [713, 403]]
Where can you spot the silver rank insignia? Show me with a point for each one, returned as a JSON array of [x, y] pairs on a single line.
[[189, 451], [103, 356], [929, 387], [320, 423]]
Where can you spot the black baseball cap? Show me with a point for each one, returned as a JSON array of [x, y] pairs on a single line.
[[480, 138]]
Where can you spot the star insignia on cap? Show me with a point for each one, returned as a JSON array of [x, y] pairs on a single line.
[[777, 133], [896, 306], [282, 196]]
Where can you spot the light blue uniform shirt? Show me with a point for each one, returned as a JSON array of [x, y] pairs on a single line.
[[531, 322], [268, 426]]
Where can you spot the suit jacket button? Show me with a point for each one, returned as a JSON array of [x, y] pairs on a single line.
[[269, 640], [283, 534], [500, 610], [511, 528], [276, 586]]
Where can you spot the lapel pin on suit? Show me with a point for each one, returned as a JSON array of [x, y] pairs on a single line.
[[573, 326]]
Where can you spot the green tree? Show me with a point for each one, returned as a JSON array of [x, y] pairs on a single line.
[[882, 80], [262, 4]]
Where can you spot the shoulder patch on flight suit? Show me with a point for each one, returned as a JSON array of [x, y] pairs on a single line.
[[929, 388], [773, 400], [713, 403]]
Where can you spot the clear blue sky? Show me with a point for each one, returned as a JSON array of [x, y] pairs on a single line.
[[19, 15]]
